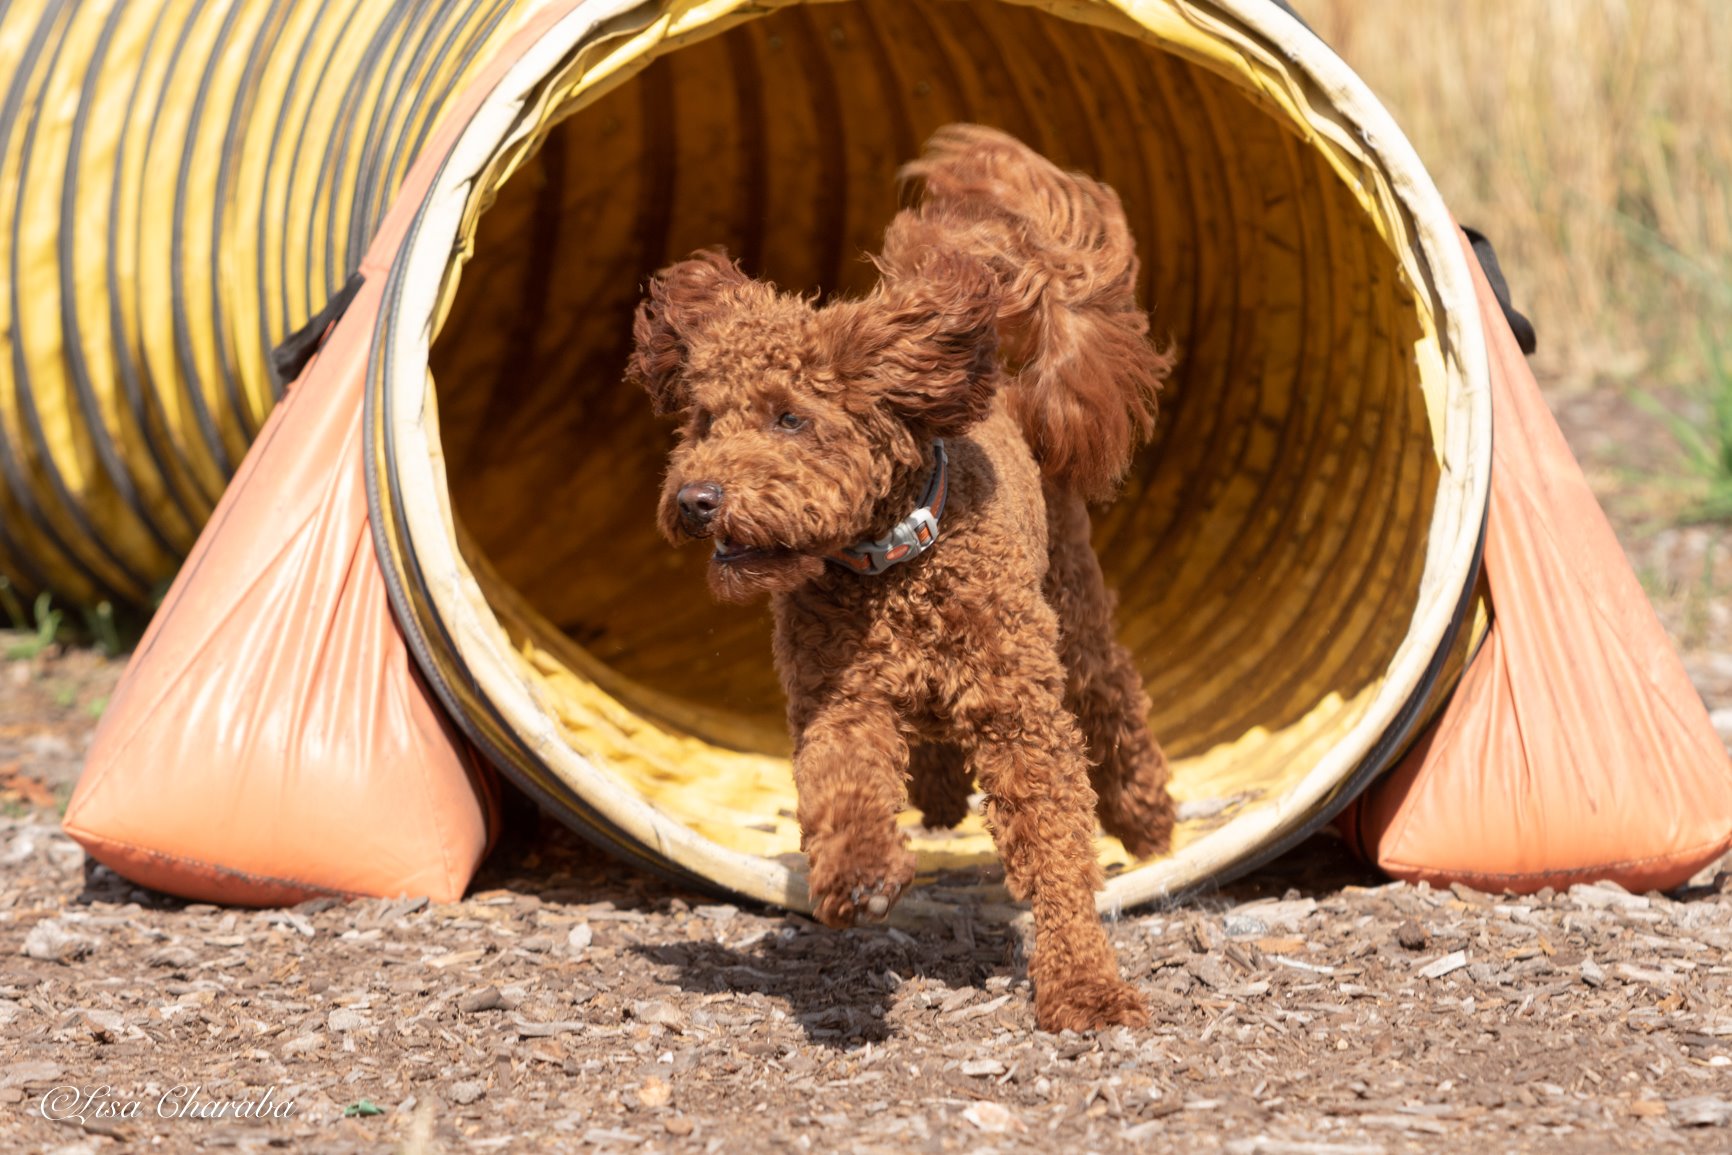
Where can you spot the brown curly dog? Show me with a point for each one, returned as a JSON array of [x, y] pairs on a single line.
[[906, 475]]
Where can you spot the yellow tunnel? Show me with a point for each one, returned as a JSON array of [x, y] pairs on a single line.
[[1294, 553]]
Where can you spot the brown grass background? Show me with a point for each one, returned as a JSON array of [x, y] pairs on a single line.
[[1591, 140]]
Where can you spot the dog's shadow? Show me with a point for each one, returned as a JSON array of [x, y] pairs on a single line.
[[838, 985]]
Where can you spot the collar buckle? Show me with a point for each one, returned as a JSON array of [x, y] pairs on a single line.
[[910, 537]]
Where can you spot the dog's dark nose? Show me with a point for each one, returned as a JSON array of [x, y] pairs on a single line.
[[699, 502]]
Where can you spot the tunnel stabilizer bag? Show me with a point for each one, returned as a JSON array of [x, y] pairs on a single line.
[[272, 740], [1575, 748]]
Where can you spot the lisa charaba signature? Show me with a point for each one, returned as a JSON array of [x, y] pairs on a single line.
[[183, 1101]]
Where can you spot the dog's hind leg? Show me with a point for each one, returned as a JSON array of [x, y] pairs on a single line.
[[1027, 754], [939, 784], [1103, 688]]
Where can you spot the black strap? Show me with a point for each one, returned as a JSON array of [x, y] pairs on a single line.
[[290, 358], [1518, 324]]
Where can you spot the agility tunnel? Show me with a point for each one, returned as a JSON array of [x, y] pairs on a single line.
[[438, 557]]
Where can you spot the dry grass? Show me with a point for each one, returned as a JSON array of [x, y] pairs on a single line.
[[1592, 141]]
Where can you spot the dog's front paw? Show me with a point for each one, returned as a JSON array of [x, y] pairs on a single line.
[[1088, 1005], [851, 883]]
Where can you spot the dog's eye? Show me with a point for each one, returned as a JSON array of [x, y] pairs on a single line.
[[792, 422]]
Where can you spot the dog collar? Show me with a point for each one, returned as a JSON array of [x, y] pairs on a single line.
[[912, 536]]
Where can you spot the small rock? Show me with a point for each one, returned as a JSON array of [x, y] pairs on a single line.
[[1448, 964], [52, 940], [1592, 974], [993, 1118], [303, 1045], [605, 1136], [30, 1073], [655, 1092], [579, 939], [1211, 972], [1204, 937], [1269, 1145], [1411, 936], [1607, 896], [174, 956], [344, 1019], [1244, 926], [107, 1026], [677, 1125], [487, 998], [1700, 1111], [656, 1011], [956, 1000], [1644, 975], [979, 1068], [1288, 914], [466, 1092], [19, 849]]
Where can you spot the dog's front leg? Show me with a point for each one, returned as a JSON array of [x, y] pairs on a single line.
[[850, 768], [1029, 760]]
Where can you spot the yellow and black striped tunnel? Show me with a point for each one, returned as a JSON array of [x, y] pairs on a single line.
[[1295, 553]]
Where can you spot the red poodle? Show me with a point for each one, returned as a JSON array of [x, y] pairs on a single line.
[[905, 475]]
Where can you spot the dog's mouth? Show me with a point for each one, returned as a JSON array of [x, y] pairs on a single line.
[[731, 552]]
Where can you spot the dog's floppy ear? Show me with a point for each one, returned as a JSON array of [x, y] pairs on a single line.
[[929, 341], [681, 298]]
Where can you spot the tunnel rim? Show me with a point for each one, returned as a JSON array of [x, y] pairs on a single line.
[[429, 577]]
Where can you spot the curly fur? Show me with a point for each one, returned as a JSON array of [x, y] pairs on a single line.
[[1004, 322], [1066, 265]]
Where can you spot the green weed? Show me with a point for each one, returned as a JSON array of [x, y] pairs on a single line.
[[44, 633]]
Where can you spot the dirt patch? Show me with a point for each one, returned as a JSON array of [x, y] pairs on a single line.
[[570, 1004], [50, 699]]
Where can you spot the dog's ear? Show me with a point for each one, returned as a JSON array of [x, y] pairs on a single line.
[[681, 299], [928, 340]]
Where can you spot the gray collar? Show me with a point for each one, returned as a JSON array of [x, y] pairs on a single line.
[[912, 536]]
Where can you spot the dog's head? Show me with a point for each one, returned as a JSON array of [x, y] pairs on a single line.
[[799, 422]]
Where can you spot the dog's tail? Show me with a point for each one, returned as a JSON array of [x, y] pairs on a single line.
[[1085, 376]]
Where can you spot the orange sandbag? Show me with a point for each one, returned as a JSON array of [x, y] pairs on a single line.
[[1575, 748], [272, 739]]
